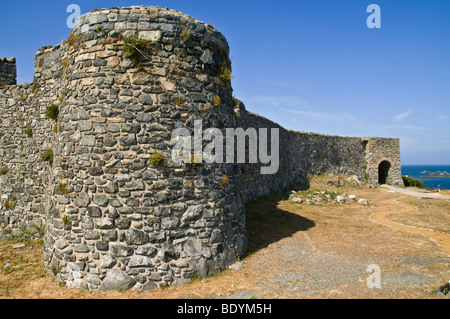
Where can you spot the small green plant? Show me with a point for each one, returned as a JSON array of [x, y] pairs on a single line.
[[412, 182], [136, 48], [217, 101], [52, 112], [179, 101], [9, 204], [224, 181], [66, 219], [4, 230], [62, 188], [194, 163], [73, 41], [47, 156], [196, 277], [156, 158], [29, 132], [65, 63], [225, 73], [186, 34], [40, 229], [3, 170]]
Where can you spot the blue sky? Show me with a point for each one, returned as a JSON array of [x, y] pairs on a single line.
[[310, 66]]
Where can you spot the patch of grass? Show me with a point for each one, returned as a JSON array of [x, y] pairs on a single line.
[[66, 219], [62, 188], [217, 101], [29, 131], [47, 156], [73, 41], [186, 34], [135, 49], [3, 170], [179, 101], [52, 112], [9, 204], [196, 277], [157, 158], [225, 73], [224, 181], [194, 163]]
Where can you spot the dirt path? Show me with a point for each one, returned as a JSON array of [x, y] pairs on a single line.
[[441, 239]]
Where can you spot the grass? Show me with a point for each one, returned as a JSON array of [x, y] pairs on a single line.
[[225, 73], [217, 101], [156, 158], [62, 188], [224, 181], [52, 112], [47, 156], [186, 34], [73, 41], [26, 266], [135, 49], [29, 131]]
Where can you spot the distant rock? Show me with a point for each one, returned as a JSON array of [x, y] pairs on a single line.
[[363, 201], [340, 199], [297, 200]]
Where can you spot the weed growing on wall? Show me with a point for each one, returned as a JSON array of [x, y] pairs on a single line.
[[47, 156], [156, 158], [136, 48], [52, 112], [225, 73]]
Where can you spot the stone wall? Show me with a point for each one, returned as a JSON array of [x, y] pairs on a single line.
[[303, 154], [8, 71], [115, 216]]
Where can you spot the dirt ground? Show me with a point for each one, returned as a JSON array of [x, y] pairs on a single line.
[[322, 250]]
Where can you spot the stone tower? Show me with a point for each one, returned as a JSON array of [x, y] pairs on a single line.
[[123, 214]]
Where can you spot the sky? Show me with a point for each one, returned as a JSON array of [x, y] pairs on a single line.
[[311, 66]]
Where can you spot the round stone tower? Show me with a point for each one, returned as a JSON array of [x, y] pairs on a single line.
[[122, 213]]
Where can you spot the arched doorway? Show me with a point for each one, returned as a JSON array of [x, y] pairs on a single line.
[[383, 172]]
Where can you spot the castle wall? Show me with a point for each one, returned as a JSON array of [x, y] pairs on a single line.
[[301, 155], [114, 217]]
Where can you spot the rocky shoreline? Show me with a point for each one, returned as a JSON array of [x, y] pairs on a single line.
[[438, 174]]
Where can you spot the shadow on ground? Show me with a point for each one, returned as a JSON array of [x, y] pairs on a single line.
[[267, 223]]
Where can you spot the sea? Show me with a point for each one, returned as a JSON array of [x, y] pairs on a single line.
[[415, 171]]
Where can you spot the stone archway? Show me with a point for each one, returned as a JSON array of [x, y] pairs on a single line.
[[383, 172]]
